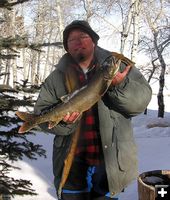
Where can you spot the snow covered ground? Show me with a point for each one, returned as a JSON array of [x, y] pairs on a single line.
[[153, 152]]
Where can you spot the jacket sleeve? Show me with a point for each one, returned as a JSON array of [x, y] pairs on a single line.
[[130, 97], [52, 89]]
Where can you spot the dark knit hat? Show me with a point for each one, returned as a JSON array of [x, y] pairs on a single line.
[[84, 26]]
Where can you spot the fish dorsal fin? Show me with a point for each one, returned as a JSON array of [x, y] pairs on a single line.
[[124, 59]]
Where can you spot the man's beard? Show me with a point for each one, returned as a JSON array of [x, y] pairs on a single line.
[[80, 57]]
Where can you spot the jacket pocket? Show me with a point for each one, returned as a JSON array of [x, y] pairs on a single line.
[[127, 155]]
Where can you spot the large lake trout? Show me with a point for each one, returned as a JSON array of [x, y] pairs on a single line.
[[79, 101]]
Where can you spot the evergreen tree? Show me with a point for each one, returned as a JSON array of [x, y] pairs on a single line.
[[14, 146]]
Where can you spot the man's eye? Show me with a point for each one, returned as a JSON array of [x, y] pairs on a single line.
[[81, 37], [84, 37]]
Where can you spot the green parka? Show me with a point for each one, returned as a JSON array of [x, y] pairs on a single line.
[[115, 110]]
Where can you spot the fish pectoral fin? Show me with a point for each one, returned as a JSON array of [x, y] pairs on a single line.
[[77, 118], [51, 124]]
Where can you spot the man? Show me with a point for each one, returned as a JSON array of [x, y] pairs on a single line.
[[105, 158]]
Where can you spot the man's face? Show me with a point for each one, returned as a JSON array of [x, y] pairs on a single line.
[[80, 45]]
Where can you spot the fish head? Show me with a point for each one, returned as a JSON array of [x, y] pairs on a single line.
[[110, 67]]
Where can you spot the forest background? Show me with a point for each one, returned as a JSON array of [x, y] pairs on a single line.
[[31, 35], [31, 45]]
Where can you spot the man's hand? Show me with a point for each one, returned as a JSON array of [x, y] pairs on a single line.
[[119, 77], [71, 117]]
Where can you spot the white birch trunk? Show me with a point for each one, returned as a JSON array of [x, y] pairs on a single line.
[[135, 41], [14, 62], [126, 27], [61, 21]]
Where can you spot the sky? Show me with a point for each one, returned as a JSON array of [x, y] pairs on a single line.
[[153, 146]]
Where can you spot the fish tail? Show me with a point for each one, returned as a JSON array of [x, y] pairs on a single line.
[[29, 121], [25, 127]]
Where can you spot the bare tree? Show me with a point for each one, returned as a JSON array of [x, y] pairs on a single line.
[[130, 26], [159, 26]]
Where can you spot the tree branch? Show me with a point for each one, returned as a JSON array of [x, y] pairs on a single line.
[[22, 42], [6, 4]]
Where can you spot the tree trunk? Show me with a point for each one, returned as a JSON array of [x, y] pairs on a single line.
[[48, 55], [160, 96], [14, 62], [33, 66], [7, 71], [61, 22], [135, 41], [25, 66], [126, 27]]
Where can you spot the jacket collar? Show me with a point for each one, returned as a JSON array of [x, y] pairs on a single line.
[[100, 54]]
